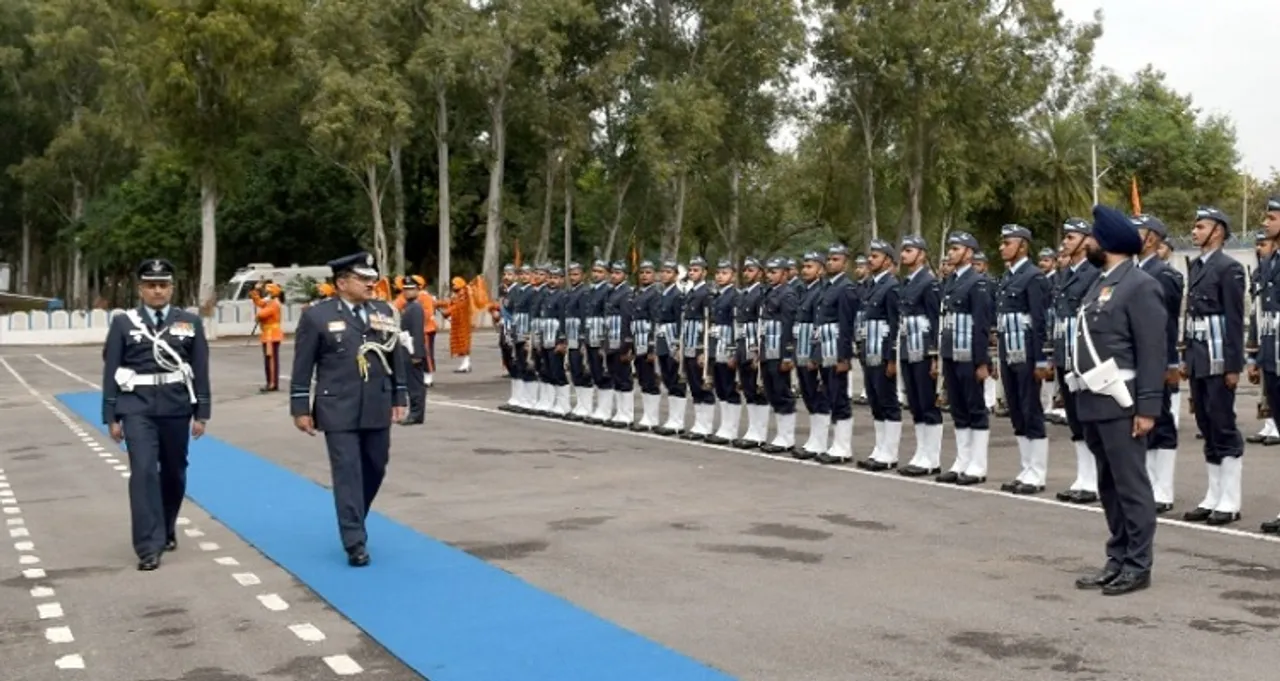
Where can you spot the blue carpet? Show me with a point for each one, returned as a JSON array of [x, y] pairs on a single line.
[[444, 613]]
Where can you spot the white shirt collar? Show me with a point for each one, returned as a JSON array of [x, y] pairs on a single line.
[[962, 270], [1018, 265], [1204, 257]]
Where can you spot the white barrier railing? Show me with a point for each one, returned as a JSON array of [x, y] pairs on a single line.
[[84, 327]]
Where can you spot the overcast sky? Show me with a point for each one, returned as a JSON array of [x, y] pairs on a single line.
[[1217, 52]]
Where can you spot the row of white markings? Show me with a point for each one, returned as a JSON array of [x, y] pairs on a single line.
[[49, 609]]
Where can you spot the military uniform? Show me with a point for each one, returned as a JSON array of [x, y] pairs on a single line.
[[777, 325], [504, 320], [1073, 283], [597, 297], [1162, 441], [966, 331], [724, 351], [1114, 383], [645, 314], [667, 310], [1020, 325], [535, 379], [413, 326], [1258, 280], [620, 348], [554, 345], [1269, 319], [747, 333], [360, 368], [920, 302], [695, 331], [1214, 341], [573, 325], [1049, 388], [808, 369], [155, 383], [834, 326], [877, 338], [991, 387], [860, 287], [520, 300]]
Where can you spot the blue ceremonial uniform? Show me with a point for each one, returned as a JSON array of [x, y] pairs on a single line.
[[695, 331], [413, 324], [724, 352], [551, 318], [360, 369], [777, 326], [920, 303], [155, 382], [877, 334], [1020, 325], [834, 324], [594, 309], [1073, 283], [574, 325], [643, 322], [619, 348], [1162, 441], [808, 370], [747, 341], [964, 346]]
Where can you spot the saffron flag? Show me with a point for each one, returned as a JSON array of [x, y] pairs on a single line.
[[1133, 196]]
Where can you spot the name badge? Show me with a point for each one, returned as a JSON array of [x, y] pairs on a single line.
[[337, 327]]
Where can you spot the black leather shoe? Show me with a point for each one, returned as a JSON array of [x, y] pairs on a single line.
[[1098, 579], [1024, 488], [716, 440], [966, 480], [1222, 518], [1009, 486], [171, 545], [802, 454], [149, 563], [875, 466], [1127, 582], [746, 444], [1270, 441], [1256, 438], [357, 557], [692, 436], [1271, 526], [773, 449], [1163, 508], [911, 471], [950, 478], [1197, 515], [829, 460]]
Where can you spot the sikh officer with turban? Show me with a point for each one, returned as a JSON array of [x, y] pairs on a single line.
[[1120, 393]]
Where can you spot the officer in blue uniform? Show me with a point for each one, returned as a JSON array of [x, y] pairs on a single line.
[[1262, 248], [834, 327], [793, 278], [723, 375], [155, 391], [1269, 318], [808, 369], [1214, 357], [555, 344], [1120, 393], [351, 345], [574, 325], [1049, 386], [644, 318], [966, 359], [1162, 441], [877, 337], [535, 379], [777, 349], [504, 316], [1074, 281], [667, 310], [1020, 326], [620, 346], [597, 298], [861, 282], [746, 333], [696, 351], [520, 301], [413, 326], [919, 305]]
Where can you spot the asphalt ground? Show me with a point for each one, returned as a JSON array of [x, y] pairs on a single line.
[[760, 566]]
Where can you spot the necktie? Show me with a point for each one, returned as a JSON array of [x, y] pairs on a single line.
[[159, 318]]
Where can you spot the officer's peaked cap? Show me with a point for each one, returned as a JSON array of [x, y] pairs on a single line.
[[1115, 232], [526, 268], [1273, 204], [1015, 232], [962, 239], [814, 256], [646, 264], [508, 268], [359, 264], [599, 264], [914, 242], [725, 264], [619, 266], [1211, 213], [1152, 223], [555, 271], [860, 260], [1260, 236], [1077, 225], [776, 263], [410, 280], [1048, 253], [979, 257], [884, 247], [575, 266], [697, 261], [750, 261], [791, 263], [155, 269], [838, 249], [670, 264]]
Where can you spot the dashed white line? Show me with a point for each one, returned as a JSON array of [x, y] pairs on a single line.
[[59, 635], [24, 546], [183, 521], [113, 461], [49, 611], [41, 592], [226, 561], [273, 602], [192, 532], [6, 492], [33, 573], [19, 532], [343, 665], [307, 632], [209, 546], [70, 662], [246, 578], [12, 510], [28, 559], [15, 521]]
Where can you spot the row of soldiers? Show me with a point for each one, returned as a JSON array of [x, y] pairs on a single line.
[[929, 341]]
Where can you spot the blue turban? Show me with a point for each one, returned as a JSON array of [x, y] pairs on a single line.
[[1115, 232]]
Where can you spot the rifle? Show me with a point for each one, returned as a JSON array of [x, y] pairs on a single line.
[[1186, 311], [706, 347]]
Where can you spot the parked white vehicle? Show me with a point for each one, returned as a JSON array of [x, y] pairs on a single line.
[[245, 278]]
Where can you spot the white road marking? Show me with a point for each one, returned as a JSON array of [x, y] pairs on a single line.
[[59, 635], [12, 510], [24, 546], [343, 665], [41, 592], [33, 573], [121, 467], [49, 611], [226, 560], [3, 485], [9, 501], [208, 546], [6, 492], [192, 532], [272, 602], [70, 662], [246, 578], [113, 461], [27, 559], [183, 521], [19, 532], [14, 521], [972, 489], [124, 474], [91, 384], [104, 455], [307, 632]]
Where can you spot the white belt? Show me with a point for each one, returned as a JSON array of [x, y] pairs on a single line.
[[158, 379], [1075, 385]]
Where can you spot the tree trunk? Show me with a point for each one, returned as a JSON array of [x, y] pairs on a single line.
[[442, 190], [619, 201], [915, 179], [24, 283], [208, 291], [78, 279], [735, 208], [548, 198], [397, 196], [868, 142], [493, 218], [568, 216], [374, 189], [675, 224]]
